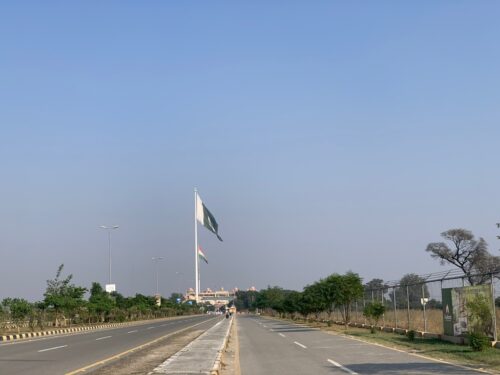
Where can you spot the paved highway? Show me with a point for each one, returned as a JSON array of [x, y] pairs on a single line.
[[273, 347], [67, 353]]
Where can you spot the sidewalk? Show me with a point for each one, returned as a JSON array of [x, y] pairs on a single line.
[[201, 356]]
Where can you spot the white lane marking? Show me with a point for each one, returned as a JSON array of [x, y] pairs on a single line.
[[54, 348], [151, 327], [299, 344], [282, 335], [342, 367], [134, 331], [163, 325], [102, 338]]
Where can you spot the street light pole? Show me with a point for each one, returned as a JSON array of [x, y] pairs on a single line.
[[156, 260], [109, 229]]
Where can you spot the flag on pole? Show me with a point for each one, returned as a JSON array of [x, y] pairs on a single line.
[[205, 217], [201, 255]]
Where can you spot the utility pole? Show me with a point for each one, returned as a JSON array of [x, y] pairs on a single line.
[[109, 287]]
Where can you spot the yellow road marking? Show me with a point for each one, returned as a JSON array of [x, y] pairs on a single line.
[[116, 356]]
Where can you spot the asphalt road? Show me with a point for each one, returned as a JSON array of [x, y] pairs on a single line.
[[273, 347], [67, 353]]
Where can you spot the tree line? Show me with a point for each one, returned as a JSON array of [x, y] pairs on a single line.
[[64, 304], [333, 292], [338, 292]]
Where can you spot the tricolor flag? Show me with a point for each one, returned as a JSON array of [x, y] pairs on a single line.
[[201, 255], [204, 217]]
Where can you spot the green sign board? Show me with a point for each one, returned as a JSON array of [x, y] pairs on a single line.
[[467, 308]]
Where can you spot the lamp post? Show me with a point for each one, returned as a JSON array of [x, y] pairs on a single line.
[[109, 229], [156, 260]]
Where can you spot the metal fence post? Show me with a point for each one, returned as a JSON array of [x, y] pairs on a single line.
[[395, 311], [494, 309], [408, 306], [423, 304], [383, 304], [364, 305]]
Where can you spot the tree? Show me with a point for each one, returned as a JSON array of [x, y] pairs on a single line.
[[342, 291], [245, 300], [100, 302], [313, 300], [174, 297], [465, 252], [63, 296], [374, 289], [271, 298], [413, 284], [292, 302], [374, 311], [19, 309]]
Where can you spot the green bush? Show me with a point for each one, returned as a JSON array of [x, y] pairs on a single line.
[[478, 341], [374, 311], [411, 334]]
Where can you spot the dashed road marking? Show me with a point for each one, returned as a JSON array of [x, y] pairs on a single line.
[[151, 327], [134, 331], [299, 344], [54, 348], [349, 371], [102, 338], [282, 335]]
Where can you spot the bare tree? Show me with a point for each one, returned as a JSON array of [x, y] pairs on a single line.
[[466, 253]]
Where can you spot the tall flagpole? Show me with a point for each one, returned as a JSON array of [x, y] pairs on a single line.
[[196, 244]]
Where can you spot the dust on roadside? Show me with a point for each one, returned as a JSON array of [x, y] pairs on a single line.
[[145, 360], [230, 364]]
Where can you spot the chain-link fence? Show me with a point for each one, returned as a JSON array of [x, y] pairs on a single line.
[[418, 305]]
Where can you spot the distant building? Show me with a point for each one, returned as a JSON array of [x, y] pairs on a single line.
[[216, 298]]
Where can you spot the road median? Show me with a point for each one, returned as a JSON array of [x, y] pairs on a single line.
[[201, 356]]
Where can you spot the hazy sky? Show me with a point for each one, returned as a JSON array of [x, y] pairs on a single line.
[[323, 136]]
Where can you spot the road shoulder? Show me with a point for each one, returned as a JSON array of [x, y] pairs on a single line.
[[231, 356]]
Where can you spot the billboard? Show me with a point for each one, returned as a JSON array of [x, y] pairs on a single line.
[[467, 309], [110, 288]]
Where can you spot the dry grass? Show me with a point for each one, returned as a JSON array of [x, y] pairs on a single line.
[[433, 317]]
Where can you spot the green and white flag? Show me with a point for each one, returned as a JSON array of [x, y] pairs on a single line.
[[204, 217], [201, 255]]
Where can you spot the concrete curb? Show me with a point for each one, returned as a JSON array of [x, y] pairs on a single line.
[[218, 360], [26, 335]]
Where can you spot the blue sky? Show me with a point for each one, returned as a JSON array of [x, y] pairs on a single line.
[[324, 137]]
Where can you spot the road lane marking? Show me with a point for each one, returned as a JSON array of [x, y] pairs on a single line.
[[282, 335], [342, 367], [134, 331], [119, 355], [151, 327], [299, 344], [102, 338], [54, 348]]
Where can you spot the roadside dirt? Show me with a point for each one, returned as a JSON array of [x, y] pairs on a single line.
[[231, 356], [145, 360]]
